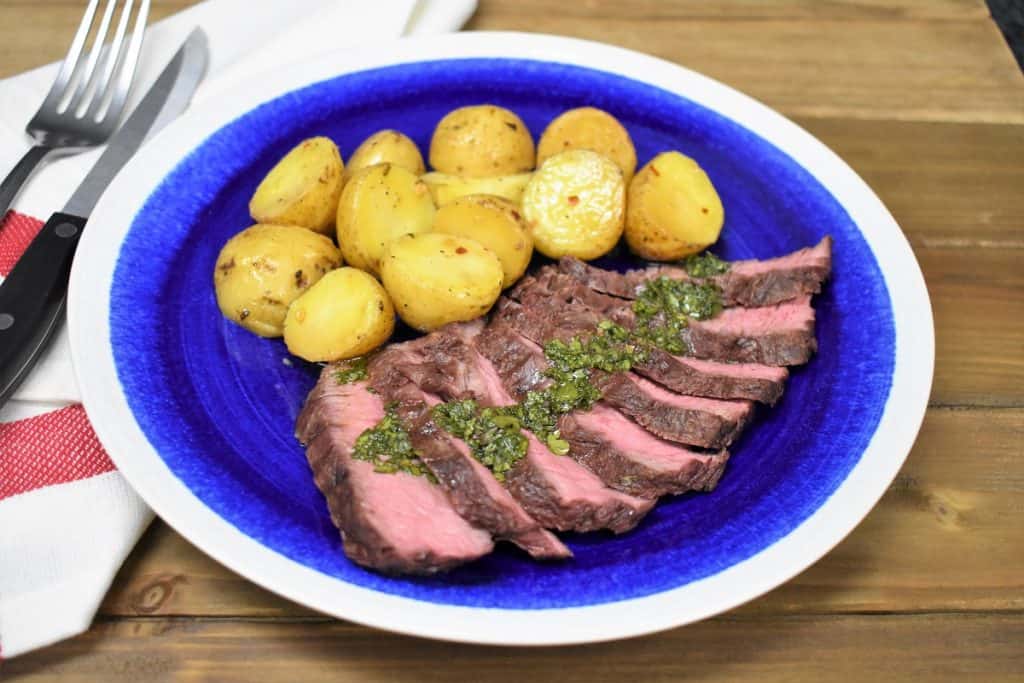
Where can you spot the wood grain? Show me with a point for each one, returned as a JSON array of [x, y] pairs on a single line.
[[820, 67], [958, 499], [947, 184], [910, 60], [972, 647]]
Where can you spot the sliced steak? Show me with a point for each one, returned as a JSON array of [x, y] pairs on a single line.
[[631, 459], [693, 420], [689, 376], [746, 283], [771, 335], [554, 490], [471, 488], [394, 523], [638, 463], [714, 379]]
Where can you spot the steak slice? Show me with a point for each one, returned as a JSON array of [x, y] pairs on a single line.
[[394, 523], [772, 335], [714, 379], [777, 335], [704, 422], [746, 283], [554, 490], [631, 459], [690, 376], [471, 488], [624, 455], [692, 420]]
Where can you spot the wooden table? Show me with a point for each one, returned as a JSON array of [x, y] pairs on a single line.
[[923, 99]]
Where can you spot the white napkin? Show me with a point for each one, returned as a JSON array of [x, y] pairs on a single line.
[[62, 543]]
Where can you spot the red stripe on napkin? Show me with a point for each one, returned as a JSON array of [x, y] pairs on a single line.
[[16, 231], [48, 449]]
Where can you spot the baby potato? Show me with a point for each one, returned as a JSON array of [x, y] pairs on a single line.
[[303, 188], [435, 279], [378, 204], [390, 147], [493, 222], [445, 188], [574, 205], [344, 315], [593, 129], [262, 269], [673, 209], [481, 141]]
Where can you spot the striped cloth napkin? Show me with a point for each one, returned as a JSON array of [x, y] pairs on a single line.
[[68, 519]]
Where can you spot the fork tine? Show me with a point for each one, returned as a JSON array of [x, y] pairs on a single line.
[[86, 78], [128, 59], [67, 68], [112, 56]]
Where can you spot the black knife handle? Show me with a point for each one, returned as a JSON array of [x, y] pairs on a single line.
[[32, 298]]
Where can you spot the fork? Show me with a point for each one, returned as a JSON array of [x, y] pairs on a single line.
[[88, 96]]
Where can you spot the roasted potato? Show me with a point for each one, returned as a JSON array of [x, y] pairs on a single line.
[[445, 188], [378, 204], [262, 269], [674, 210], [481, 141], [493, 222], [593, 129], [435, 279], [344, 315], [387, 146], [303, 188], [574, 205]]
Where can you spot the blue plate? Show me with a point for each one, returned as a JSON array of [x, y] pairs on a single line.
[[218, 404]]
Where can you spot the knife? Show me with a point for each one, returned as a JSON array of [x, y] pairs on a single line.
[[33, 295]]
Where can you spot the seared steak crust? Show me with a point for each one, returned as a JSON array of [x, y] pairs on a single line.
[[746, 283]]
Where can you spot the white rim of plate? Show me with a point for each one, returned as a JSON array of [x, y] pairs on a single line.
[[138, 461]]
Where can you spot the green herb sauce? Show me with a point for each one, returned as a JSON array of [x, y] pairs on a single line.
[[665, 306], [386, 445], [705, 265], [494, 437], [351, 371]]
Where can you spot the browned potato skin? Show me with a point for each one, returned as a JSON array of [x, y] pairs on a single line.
[[482, 141], [672, 209], [494, 222], [344, 315], [593, 129], [434, 279], [263, 269], [387, 147], [378, 204], [303, 187]]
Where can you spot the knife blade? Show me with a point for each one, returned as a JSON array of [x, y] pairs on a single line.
[[33, 295]]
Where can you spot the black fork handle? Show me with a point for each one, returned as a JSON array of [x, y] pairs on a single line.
[[32, 298], [21, 172]]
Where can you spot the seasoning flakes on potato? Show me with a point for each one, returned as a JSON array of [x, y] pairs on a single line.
[[387, 147], [482, 141], [263, 269], [378, 204], [575, 205], [673, 209], [593, 129], [435, 279], [446, 188], [302, 188], [495, 223], [344, 315]]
